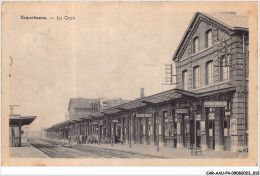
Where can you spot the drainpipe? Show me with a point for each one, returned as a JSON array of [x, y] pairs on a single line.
[[244, 93]]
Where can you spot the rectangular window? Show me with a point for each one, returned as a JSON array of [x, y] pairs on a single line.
[[195, 45], [208, 39], [224, 67], [185, 80], [209, 72], [196, 77]]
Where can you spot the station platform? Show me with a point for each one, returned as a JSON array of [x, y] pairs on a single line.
[[25, 151], [164, 152], [167, 152]]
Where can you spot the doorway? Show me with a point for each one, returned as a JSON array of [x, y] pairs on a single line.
[[198, 134], [211, 133], [186, 135], [227, 137]]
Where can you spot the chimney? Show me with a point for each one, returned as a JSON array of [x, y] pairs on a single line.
[[142, 92]]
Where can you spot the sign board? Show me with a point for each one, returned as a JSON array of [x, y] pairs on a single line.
[[144, 115], [101, 122], [181, 111], [94, 123], [215, 104], [233, 126], [227, 113], [198, 117], [202, 127], [115, 120], [211, 116], [186, 117]]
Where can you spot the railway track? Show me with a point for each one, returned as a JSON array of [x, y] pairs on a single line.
[[50, 150], [56, 149]]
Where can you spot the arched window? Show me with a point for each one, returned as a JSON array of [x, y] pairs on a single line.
[[209, 72], [196, 45], [208, 38], [185, 80]]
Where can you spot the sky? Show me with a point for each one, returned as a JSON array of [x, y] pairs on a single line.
[[109, 50]]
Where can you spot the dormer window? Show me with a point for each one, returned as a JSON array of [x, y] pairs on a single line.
[[208, 38], [196, 45]]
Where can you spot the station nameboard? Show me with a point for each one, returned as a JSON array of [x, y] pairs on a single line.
[[181, 111], [143, 115], [215, 104]]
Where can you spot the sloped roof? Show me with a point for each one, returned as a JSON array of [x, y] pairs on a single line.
[[115, 102], [84, 103], [228, 20]]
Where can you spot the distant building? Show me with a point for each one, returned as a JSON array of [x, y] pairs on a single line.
[[81, 107]]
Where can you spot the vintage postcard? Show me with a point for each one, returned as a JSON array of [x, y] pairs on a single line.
[[129, 84]]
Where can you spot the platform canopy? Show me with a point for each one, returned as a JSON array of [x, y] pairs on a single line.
[[166, 96], [17, 120]]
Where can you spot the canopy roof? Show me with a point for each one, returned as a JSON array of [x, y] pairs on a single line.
[[170, 95], [16, 120], [142, 102]]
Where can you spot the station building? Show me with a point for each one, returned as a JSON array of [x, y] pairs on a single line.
[[207, 109]]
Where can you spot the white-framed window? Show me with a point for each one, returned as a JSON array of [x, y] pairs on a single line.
[[196, 77], [196, 45], [208, 38], [209, 72], [224, 67], [185, 80]]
